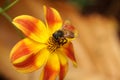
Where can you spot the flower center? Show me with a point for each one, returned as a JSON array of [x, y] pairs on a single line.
[[54, 43]]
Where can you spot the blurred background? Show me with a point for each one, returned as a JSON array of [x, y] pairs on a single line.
[[97, 46]]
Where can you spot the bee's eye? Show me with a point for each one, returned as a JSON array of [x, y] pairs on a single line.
[[58, 34]]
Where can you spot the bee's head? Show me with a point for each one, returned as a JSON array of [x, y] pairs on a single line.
[[58, 34]]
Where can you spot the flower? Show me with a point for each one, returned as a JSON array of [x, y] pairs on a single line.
[[44, 44]]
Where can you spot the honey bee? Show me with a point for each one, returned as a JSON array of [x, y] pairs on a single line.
[[61, 35]]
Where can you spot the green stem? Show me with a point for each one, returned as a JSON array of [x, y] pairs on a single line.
[[10, 20], [2, 12], [6, 15], [9, 6], [12, 4]]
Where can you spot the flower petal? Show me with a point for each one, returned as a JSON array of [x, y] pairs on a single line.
[[53, 19], [51, 69], [63, 66], [32, 27], [27, 55], [69, 52]]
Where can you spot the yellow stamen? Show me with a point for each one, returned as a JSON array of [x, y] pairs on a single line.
[[53, 44]]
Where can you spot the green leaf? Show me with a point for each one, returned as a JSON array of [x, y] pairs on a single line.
[[82, 3]]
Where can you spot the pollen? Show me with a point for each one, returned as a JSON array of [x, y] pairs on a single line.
[[52, 45]]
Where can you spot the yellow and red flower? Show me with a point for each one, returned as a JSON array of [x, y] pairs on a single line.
[[34, 51]]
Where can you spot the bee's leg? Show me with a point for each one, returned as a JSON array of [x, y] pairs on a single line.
[[63, 41]]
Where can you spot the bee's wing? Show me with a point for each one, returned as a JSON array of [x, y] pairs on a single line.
[[68, 26], [69, 30]]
